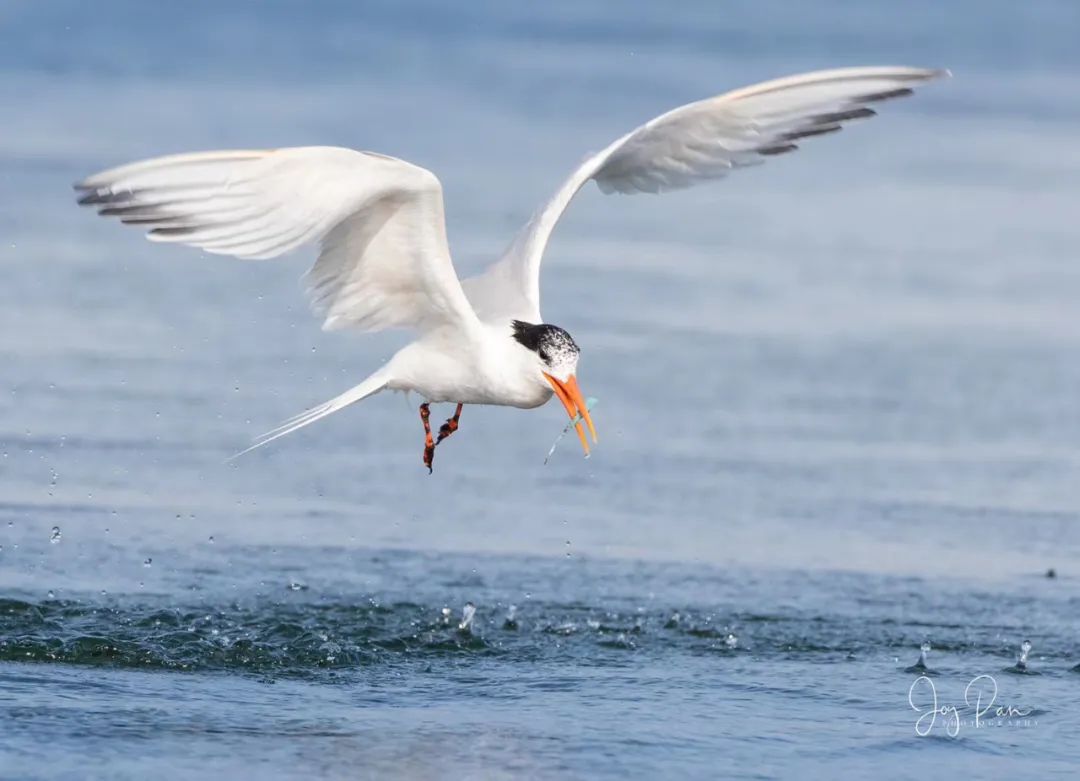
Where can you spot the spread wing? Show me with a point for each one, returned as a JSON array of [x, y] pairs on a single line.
[[693, 143], [384, 260]]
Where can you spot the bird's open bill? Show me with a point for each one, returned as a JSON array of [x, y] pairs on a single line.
[[570, 395]]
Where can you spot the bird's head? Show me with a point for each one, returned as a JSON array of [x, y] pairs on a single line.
[[556, 359]]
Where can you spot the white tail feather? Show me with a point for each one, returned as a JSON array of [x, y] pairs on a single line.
[[369, 387]]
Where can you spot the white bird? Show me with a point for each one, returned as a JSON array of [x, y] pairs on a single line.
[[384, 260]]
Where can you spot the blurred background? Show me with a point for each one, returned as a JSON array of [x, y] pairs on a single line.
[[862, 358], [863, 355]]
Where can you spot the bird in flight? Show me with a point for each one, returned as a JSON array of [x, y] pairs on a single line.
[[384, 261]]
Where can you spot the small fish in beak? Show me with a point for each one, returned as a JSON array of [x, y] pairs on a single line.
[[570, 395], [590, 403]]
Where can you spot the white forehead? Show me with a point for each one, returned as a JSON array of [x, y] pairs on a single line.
[[562, 365]]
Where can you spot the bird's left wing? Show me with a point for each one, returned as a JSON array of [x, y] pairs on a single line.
[[691, 144], [384, 259]]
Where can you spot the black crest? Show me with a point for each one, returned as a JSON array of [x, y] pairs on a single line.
[[548, 341]]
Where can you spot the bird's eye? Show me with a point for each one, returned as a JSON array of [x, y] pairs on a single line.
[[544, 355]]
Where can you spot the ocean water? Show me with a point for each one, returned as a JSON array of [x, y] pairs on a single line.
[[838, 411]]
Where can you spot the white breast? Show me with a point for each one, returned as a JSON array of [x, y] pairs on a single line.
[[493, 369]]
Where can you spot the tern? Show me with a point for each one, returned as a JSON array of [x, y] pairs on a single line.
[[384, 261]]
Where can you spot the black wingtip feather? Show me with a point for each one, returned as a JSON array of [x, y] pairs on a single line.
[[146, 220], [95, 198], [877, 97], [186, 231], [843, 116], [820, 130], [778, 149]]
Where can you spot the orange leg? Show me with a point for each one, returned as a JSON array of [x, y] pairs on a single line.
[[429, 444], [450, 426]]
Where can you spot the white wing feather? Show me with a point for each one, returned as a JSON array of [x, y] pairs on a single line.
[[384, 260], [693, 143]]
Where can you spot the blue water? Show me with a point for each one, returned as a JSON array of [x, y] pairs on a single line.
[[838, 410]]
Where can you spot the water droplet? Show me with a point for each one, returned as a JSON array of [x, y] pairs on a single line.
[[1025, 649], [148, 562], [211, 540], [731, 641], [296, 586], [51, 595], [924, 652], [921, 665], [445, 615], [467, 614], [54, 537]]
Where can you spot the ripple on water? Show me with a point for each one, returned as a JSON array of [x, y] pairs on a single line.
[[290, 639], [302, 638]]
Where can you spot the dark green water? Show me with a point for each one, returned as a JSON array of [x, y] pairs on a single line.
[[355, 663]]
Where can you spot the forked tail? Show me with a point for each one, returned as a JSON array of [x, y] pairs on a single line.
[[369, 387]]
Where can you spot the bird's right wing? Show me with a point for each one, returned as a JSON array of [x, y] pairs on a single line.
[[384, 260], [691, 144]]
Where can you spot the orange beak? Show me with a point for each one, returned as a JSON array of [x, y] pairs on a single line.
[[570, 395]]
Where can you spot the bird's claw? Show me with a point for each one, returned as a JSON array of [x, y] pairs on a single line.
[[446, 429], [450, 426], [429, 444]]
